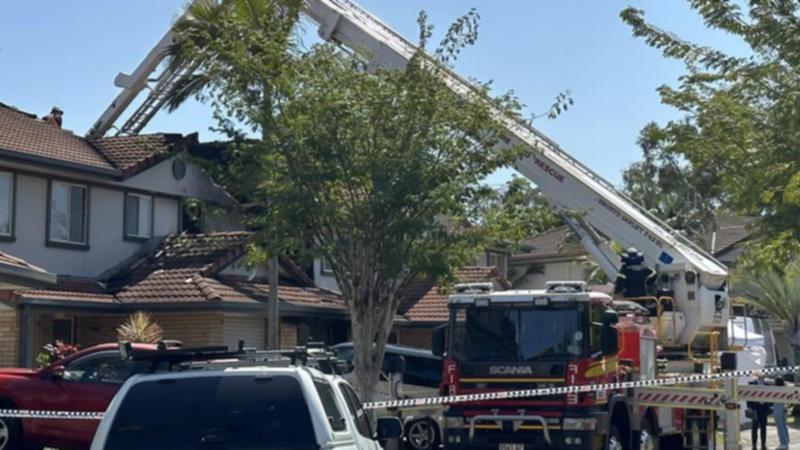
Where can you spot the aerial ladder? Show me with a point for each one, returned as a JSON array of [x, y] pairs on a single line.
[[697, 308]]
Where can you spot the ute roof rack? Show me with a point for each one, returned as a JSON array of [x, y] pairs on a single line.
[[178, 358]]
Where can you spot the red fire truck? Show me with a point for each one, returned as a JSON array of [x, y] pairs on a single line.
[[560, 336]]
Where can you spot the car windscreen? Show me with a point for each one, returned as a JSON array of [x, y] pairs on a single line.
[[240, 412]]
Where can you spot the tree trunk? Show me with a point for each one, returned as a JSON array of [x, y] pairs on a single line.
[[371, 321]]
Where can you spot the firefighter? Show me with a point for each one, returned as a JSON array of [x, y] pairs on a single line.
[[758, 413], [635, 279]]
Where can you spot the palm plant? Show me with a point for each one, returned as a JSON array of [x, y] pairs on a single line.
[[141, 328], [777, 292]]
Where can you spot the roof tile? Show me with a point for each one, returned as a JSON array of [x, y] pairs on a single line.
[[424, 301]]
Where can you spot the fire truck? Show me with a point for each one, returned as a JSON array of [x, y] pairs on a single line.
[[563, 335], [560, 336]]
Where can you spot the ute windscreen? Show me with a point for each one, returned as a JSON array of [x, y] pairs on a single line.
[[514, 334], [240, 412]]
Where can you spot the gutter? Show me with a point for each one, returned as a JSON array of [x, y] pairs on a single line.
[[25, 157], [24, 277]]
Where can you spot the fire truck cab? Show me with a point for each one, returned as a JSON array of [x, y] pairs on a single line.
[[560, 336]]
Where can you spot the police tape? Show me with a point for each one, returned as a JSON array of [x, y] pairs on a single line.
[[541, 392], [464, 398], [45, 414]]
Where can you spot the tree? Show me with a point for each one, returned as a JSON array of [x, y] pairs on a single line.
[[141, 328], [741, 126], [778, 293], [670, 189], [378, 172], [516, 211]]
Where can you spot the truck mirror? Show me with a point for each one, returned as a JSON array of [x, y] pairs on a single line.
[[438, 340], [609, 337]]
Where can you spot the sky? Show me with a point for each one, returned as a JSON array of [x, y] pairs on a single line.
[[68, 53]]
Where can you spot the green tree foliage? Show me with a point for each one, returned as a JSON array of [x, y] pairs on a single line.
[[516, 211], [741, 124], [378, 172], [778, 293], [670, 189]]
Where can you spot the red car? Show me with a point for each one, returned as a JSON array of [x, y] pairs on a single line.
[[84, 381]]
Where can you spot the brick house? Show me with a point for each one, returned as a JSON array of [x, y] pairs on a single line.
[[196, 287], [91, 230], [424, 305]]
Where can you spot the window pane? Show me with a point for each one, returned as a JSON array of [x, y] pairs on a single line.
[[59, 199], [335, 417], [6, 196], [77, 213], [131, 215], [241, 412], [143, 224]]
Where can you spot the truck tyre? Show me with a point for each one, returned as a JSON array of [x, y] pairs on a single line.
[[10, 434], [614, 441], [422, 434], [648, 437]]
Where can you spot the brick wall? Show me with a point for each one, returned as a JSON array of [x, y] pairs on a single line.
[[288, 333], [194, 329], [415, 337], [9, 338]]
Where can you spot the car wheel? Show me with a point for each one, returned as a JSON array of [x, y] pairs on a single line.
[[10, 434], [421, 435]]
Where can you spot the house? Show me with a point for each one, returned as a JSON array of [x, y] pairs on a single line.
[[424, 305], [197, 288], [95, 228], [549, 256], [557, 255]]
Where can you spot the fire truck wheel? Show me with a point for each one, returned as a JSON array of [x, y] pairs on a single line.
[[648, 437], [422, 434], [614, 439]]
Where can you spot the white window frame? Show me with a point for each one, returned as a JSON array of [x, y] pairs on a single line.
[[325, 267], [127, 233], [12, 194], [67, 242]]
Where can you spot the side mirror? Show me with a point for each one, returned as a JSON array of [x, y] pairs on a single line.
[[57, 372], [609, 336], [389, 428], [438, 340]]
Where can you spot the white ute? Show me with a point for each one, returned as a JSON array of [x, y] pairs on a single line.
[[240, 408]]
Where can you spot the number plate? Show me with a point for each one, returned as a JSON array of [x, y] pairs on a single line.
[[511, 447]]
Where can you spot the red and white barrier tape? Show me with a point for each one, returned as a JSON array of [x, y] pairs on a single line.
[[775, 396]]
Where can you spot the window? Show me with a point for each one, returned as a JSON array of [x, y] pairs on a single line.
[[104, 367], [356, 411], [68, 213], [232, 412], [138, 216], [325, 267], [326, 395], [6, 204], [62, 330], [498, 260]]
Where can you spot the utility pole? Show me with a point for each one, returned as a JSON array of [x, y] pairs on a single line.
[[273, 314]]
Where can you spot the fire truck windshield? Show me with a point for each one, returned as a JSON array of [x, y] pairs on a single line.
[[511, 333]]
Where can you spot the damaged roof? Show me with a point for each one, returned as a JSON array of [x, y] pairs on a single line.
[[186, 270], [25, 137]]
